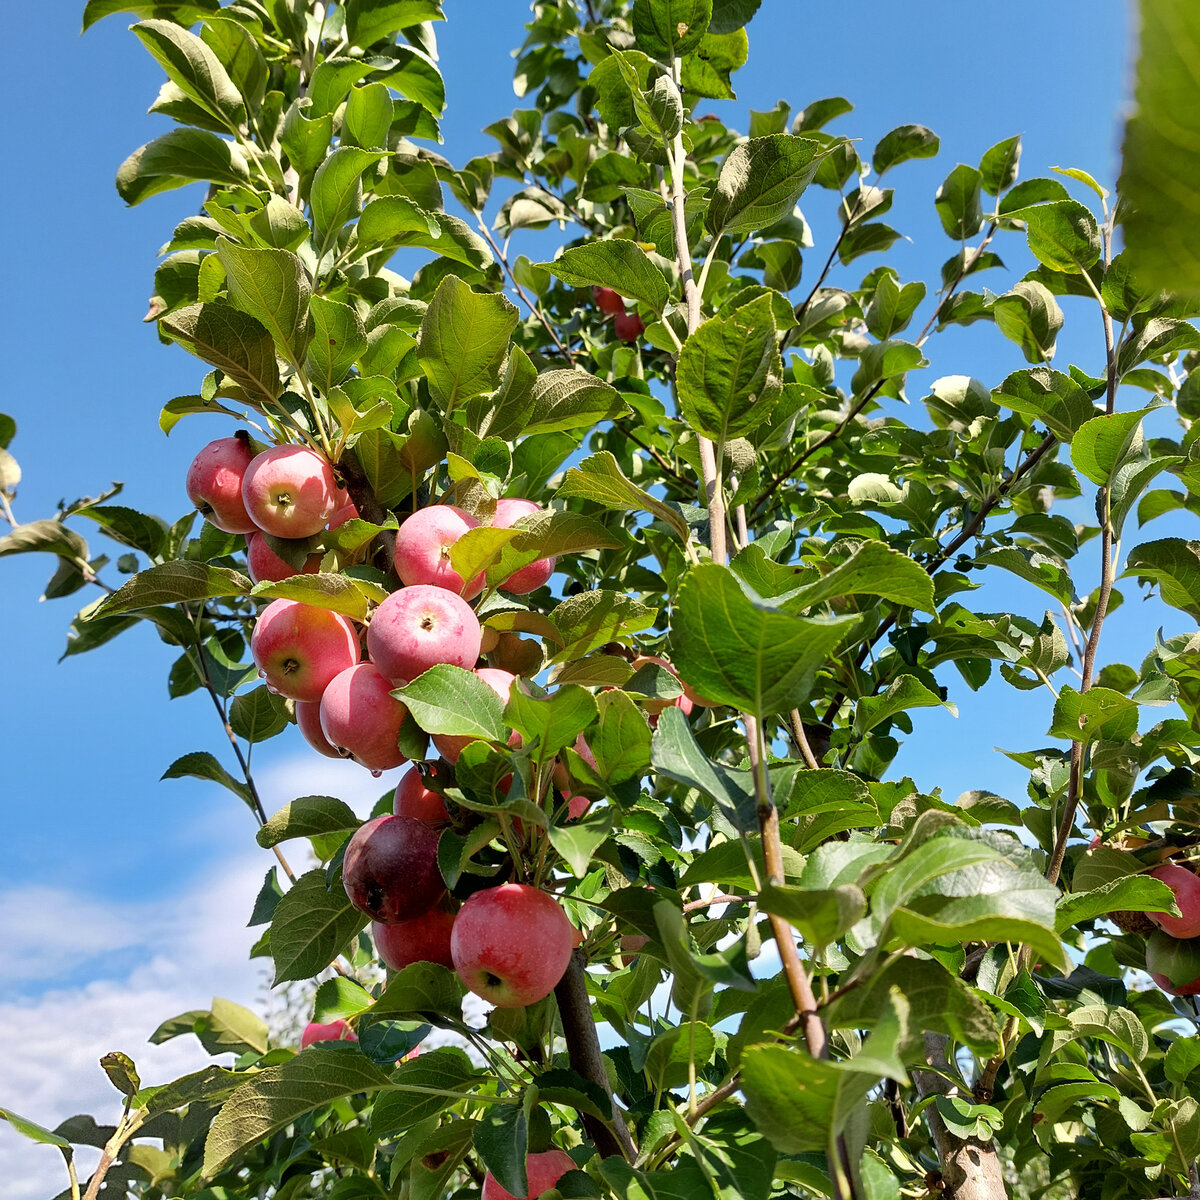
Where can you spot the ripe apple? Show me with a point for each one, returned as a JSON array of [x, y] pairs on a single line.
[[450, 746], [543, 1170], [418, 627], [628, 326], [511, 944], [360, 716], [308, 718], [414, 799], [420, 939], [1186, 887], [576, 805], [289, 491], [631, 946], [335, 1031], [390, 870], [214, 482], [509, 510], [347, 512], [608, 301], [263, 563], [298, 648], [1174, 964], [423, 549]]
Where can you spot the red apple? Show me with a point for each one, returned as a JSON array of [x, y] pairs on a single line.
[[511, 944], [450, 746], [289, 491], [1174, 964], [263, 563], [335, 1031], [414, 799], [420, 939], [542, 1171], [214, 483], [418, 627], [1186, 887], [608, 301], [631, 946], [360, 716], [509, 511], [390, 870], [298, 648], [423, 549], [628, 326], [347, 512], [308, 718], [576, 805]]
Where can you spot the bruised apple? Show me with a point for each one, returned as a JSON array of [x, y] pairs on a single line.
[[299, 648], [511, 944], [542, 1172], [390, 871]]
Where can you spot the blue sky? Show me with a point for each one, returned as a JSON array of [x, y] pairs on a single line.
[[95, 846]]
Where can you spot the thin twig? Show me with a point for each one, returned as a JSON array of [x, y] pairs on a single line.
[[801, 739], [657, 455]]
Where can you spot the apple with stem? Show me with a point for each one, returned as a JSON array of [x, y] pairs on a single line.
[[419, 627], [214, 483], [511, 944], [450, 746], [423, 546], [425, 938], [543, 1170], [509, 510], [360, 716], [1186, 886], [299, 648], [290, 492], [390, 870]]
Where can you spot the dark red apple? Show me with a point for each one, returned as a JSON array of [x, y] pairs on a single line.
[[390, 871], [420, 939]]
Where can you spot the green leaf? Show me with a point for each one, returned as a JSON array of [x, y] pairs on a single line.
[[821, 915], [1048, 396], [729, 374], [338, 338], [669, 29], [1029, 315], [599, 478], [872, 570], [121, 1072], [340, 998], [671, 1052], [618, 264], [194, 69], [368, 116], [571, 399], [257, 715], [224, 337], [547, 725], [903, 693], [277, 1096], [329, 590], [1157, 338], [306, 139], [463, 342], [33, 1131], [448, 700], [958, 204], [200, 764], [183, 12], [369, 21], [1160, 169], [422, 1088], [176, 582], [1105, 443], [1132, 893], [998, 167], [734, 650], [336, 194], [579, 841], [903, 143], [1097, 713], [51, 537], [309, 816], [179, 158], [422, 987], [707, 69], [273, 287], [882, 361], [622, 745], [416, 77], [676, 754], [501, 1138], [1062, 234], [311, 926], [760, 182], [1174, 565]]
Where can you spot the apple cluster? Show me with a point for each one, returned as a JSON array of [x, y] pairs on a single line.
[[1173, 949], [511, 943], [628, 326]]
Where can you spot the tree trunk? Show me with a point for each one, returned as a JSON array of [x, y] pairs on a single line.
[[971, 1169]]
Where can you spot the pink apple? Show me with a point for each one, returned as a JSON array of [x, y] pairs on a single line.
[[1174, 963], [308, 718], [542, 1172], [298, 648], [347, 512], [420, 939], [414, 799], [423, 549], [1186, 887], [263, 563], [511, 944], [450, 746], [576, 805], [418, 627], [608, 301], [508, 512], [628, 326], [214, 483], [390, 870], [289, 491], [335, 1031], [360, 716]]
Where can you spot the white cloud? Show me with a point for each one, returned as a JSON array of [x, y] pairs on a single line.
[[112, 970]]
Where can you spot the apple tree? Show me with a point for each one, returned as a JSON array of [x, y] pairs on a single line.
[[654, 572]]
